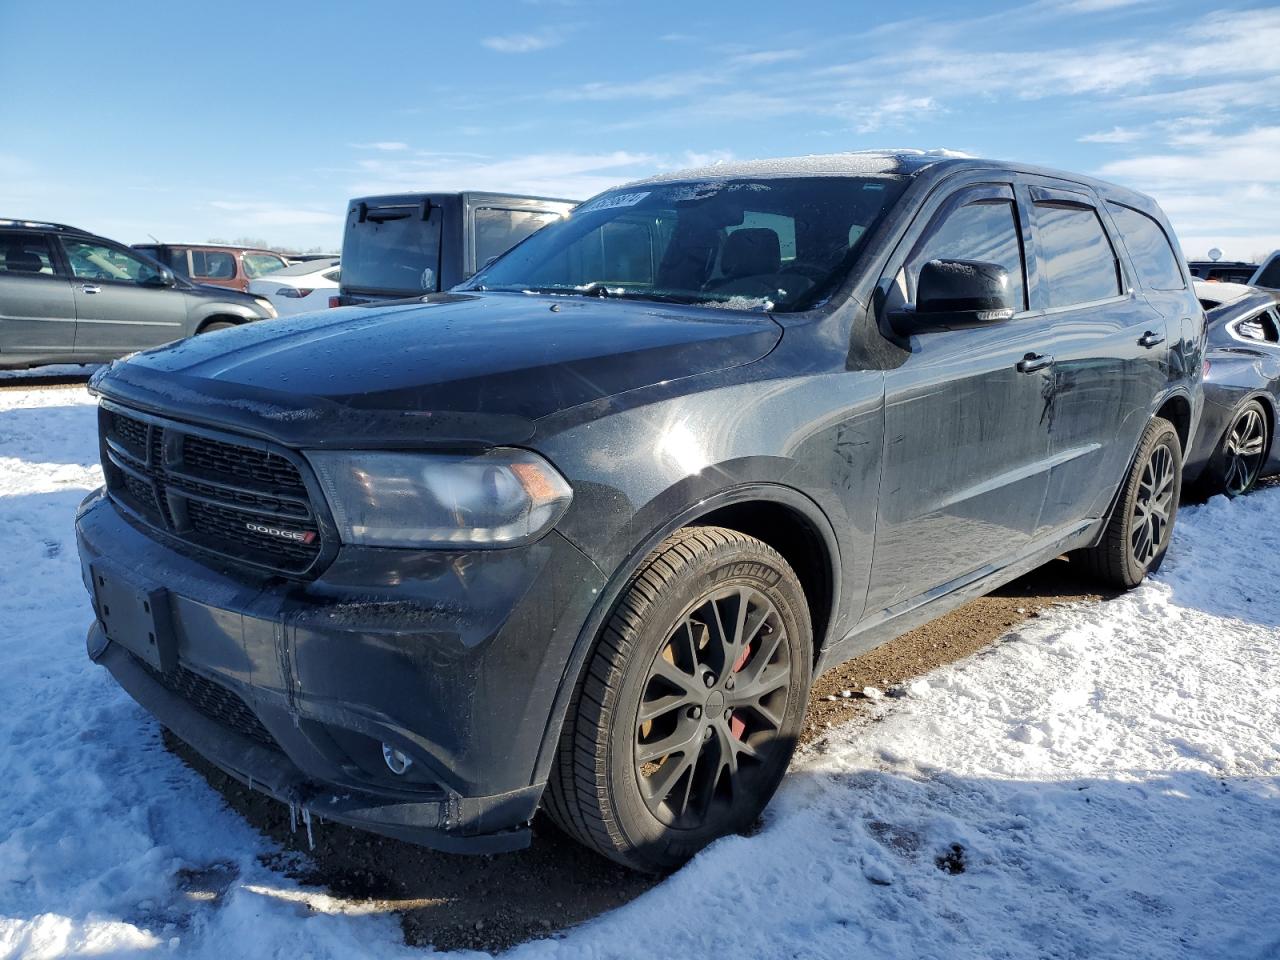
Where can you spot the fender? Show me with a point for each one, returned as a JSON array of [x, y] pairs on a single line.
[[585, 643]]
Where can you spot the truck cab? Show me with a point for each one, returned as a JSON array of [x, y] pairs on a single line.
[[408, 245]]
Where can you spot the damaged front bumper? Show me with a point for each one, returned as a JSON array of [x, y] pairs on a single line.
[[452, 659]]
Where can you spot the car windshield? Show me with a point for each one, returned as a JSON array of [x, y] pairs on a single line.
[[777, 244], [392, 250]]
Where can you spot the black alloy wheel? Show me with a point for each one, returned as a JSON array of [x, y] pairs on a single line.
[[691, 704], [1140, 526], [712, 709]]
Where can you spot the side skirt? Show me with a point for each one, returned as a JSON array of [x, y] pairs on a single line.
[[904, 617]]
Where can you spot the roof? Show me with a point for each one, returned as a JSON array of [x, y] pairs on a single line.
[[211, 246], [857, 163], [886, 162], [306, 267]]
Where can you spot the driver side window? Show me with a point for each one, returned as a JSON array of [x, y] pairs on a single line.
[[97, 261], [985, 230]]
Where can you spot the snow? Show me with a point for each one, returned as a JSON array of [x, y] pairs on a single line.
[[1104, 782], [855, 163]]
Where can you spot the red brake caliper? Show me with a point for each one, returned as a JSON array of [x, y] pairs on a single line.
[[736, 726]]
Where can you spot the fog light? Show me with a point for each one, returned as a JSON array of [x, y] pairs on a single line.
[[397, 762]]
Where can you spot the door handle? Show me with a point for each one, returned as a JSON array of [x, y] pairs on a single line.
[[90, 288], [1033, 362], [1150, 339]]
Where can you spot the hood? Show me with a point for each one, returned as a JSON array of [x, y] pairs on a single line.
[[210, 291], [470, 368]]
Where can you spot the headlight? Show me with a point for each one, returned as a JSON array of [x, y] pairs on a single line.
[[265, 306], [500, 498]]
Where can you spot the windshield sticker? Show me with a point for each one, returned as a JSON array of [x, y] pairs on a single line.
[[609, 203]]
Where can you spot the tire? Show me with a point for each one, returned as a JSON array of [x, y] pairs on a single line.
[[721, 719], [216, 325], [1238, 461], [1137, 537]]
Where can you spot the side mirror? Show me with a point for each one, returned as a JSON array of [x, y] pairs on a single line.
[[163, 278], [955, 294]]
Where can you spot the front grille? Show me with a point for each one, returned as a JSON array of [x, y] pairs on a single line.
[[213, 700], [235, 500]]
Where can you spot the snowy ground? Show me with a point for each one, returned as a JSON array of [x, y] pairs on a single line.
[[1105, 782]]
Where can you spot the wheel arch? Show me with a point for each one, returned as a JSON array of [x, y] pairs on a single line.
[[205, 322], [1177, 409], [778, 515]]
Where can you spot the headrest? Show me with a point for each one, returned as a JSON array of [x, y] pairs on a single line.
[[749, 252], [17, 260]]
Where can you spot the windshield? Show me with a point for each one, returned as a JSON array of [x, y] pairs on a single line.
[[769, 244], [393, 250]]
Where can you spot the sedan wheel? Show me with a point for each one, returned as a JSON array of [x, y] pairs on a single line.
[[1244, 451]]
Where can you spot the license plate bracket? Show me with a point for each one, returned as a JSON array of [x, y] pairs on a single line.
[[135, 615]]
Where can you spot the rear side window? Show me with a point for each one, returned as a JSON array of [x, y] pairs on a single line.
[[1263, 326], [25, 253], [984, 230], [258, 264], [213, 265], [1149, 248], [1077, 262], [498, 230], [1270, 275]]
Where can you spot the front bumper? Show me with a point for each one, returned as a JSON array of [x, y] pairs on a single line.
[[452, 658]]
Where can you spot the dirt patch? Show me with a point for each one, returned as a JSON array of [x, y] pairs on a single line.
[[492, 903]]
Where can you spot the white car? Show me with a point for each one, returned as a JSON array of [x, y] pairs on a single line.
[[300, 288]]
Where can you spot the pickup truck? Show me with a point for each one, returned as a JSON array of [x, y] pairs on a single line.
[[411, 244]]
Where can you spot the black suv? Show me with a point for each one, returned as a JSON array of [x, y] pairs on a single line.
[[411, 244], [69, 296], [581, 532]]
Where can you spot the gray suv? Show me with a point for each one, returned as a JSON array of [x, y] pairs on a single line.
[[69, 296]]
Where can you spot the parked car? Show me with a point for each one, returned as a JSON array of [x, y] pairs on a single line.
[[215, 264], [305, 257], [1268, 274], [70, 296], [1235, 446], [413, 244], [1223, 271], [580, 532], [301, 287]]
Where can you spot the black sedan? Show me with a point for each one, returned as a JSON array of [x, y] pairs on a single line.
[[1235, 445]]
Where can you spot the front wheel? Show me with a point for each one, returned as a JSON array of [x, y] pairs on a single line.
[[1140, 527], [692, 703]]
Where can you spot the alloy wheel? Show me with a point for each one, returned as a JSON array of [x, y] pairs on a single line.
[[712, 708], [1153, 506], [1244, 451]]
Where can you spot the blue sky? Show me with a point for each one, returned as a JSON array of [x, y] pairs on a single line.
[[226, 119]]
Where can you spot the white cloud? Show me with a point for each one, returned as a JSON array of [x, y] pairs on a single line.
[[524, 42], [386, 145], [574, 175], [764, 57], [1114, 135], [895, 111], [1218, 189], [258, 213]]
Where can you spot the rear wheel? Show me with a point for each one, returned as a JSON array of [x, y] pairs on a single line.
[[1238, 462], [691, 705], [1141, 523]]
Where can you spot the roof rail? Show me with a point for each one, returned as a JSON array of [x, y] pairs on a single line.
[[42, 224]]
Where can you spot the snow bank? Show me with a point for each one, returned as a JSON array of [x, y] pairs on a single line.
[[1105, 782]]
